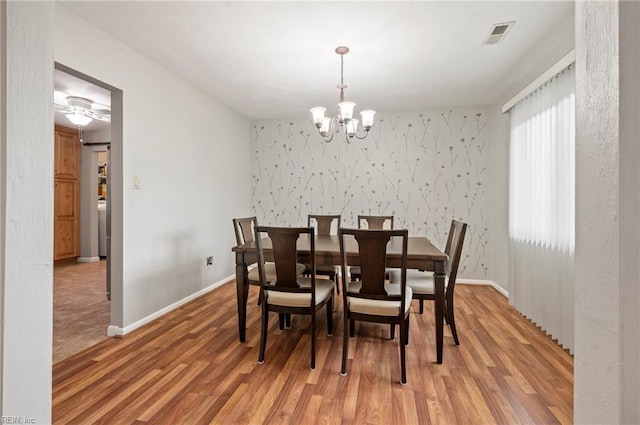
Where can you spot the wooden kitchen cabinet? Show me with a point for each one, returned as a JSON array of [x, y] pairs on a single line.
[[66, 225]]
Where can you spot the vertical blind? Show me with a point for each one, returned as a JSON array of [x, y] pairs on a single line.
[[542, 207]]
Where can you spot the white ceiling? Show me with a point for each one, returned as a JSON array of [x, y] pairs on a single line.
[[276, 59]]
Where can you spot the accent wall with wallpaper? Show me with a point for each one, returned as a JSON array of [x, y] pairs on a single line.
[[425, 167]]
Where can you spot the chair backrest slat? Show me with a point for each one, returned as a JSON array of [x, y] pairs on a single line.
[[244, 228], [285, 255], [324, 223], [375, 222], [372, 253]]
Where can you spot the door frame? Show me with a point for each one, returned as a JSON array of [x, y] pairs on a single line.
[[115, 201]]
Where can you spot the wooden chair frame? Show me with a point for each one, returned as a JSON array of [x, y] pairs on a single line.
[[372, 247], [374, 222], [455, 241], [244, 229], [323, 228], [284, 240]]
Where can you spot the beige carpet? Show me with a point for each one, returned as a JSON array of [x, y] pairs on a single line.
[[81, 310]]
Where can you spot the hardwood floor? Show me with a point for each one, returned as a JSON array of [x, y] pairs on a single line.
[[188, 367], [81, 311]]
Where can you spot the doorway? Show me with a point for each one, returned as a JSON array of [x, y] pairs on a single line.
[[87, 304]]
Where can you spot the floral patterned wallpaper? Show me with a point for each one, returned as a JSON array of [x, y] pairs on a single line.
[[424, 167]]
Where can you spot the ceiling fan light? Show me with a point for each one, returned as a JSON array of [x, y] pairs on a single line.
[[367, 118], [346, 110], [318, 115], [79, 119]]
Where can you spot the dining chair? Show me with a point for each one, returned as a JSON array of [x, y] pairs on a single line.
[[372, 299], [291, 293], [325, 225], [423, 285], [244, 229], [373, 222]]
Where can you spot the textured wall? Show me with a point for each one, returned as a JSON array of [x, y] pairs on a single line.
[[26, 232], [597, 278], [424, 167], [607, 360]]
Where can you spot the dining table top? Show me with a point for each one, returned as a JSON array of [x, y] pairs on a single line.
[[419, 248]]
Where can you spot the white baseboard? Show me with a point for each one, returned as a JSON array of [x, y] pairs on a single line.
[[483, 282], [88, 259], [117, 331]]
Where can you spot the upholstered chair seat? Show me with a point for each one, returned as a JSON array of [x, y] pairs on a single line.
[[270, 269], [378, 307], [324, 287], [419, 281]]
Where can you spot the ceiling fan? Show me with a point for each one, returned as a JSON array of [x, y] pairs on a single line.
[[81, 111]]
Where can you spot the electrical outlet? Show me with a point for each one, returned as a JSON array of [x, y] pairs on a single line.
[[209, 262]]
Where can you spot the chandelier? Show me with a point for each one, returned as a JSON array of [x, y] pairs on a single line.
[[350, 126]]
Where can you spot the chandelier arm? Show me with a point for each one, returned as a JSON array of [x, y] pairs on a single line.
[[366, 133], [332, 129], [327, 140], [346, 136]]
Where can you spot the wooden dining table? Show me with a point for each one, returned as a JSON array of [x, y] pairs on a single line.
[[421, 254]]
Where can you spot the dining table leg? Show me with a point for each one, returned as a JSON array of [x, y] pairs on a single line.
[[439, 277], [242, 293]]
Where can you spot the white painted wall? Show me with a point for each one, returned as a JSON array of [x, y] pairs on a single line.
[[423, 167], [533, 63], [499, 196], [606, 389], [89, 191], [191, 155], [97, 136], [27, 209], [89, 202]]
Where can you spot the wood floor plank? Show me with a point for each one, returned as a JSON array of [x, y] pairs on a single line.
[[116, 397], [260, 412], [140, 400], [188, 367]]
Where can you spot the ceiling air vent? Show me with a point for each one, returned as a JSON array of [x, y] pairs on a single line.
[[498, 33]]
